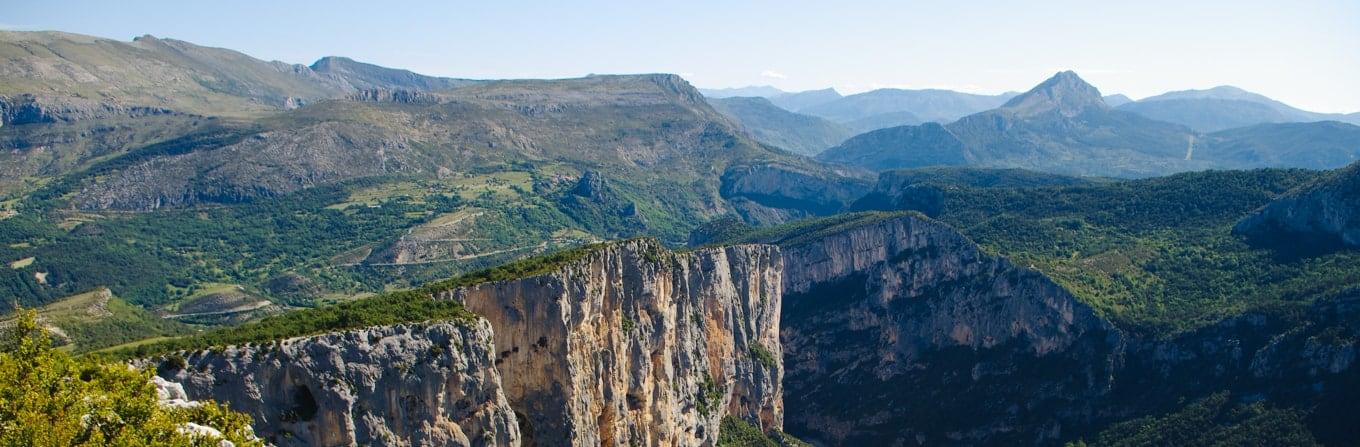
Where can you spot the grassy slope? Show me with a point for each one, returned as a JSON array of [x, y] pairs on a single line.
[[152, 72], [95, 320]]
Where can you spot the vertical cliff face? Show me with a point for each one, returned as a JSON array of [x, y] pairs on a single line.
[[902, 330], [1321, 217], [426, 384], [630, 344], [635, 345]]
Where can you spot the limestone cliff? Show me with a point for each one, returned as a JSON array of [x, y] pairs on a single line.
[[1321, 217], [48, 108], [635, 345], [901, 330], [626, 344], [420, 384]]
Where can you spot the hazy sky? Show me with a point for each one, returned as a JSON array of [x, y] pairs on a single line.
[[1306, 53]]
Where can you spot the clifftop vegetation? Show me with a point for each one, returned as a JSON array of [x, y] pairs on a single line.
[[406, 306], [1154, 255], [48, 398]]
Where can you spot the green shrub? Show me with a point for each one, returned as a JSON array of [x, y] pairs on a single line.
[[48, 398], [763, 356], [710, 396]]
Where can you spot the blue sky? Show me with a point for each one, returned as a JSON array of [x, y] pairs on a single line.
[[1306, 53]]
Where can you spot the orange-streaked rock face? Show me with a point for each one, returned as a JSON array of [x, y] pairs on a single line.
[[635, 345]]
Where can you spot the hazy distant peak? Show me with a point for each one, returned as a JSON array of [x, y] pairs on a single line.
[[1219, 92], [797, 101], [824, 91], [1117, 99], [1065, 92], [763, 91]]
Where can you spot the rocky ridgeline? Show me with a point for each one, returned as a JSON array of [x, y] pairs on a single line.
[[779, 189], [395, 95], [630, 345]]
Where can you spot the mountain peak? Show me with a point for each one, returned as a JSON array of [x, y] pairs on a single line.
[[331, 63], [1065, 92], [1226, 92]]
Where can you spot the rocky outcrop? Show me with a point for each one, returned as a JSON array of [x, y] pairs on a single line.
[[776, 187], [1322, 217], [592, 186], [419, 384], [635, 345], [901, 330], [394, 95], [171, 395], [33, 109]]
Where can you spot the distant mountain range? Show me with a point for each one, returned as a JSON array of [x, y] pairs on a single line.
[[875, 109], [770, 124], [799, 101], [753, 91], [1225, 107], [1209, 110], [1065, 126], [924, 105]]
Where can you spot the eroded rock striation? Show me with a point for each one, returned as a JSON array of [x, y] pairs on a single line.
[[627, 344], [418, 384], [36, 109], [636, 345], [902, 330]]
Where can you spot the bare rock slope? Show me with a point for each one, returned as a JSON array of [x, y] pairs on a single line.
[[422, 384]]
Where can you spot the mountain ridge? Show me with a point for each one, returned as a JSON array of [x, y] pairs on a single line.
[[1062, 125], [1225, 107], [927, 104], [773, 125]]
